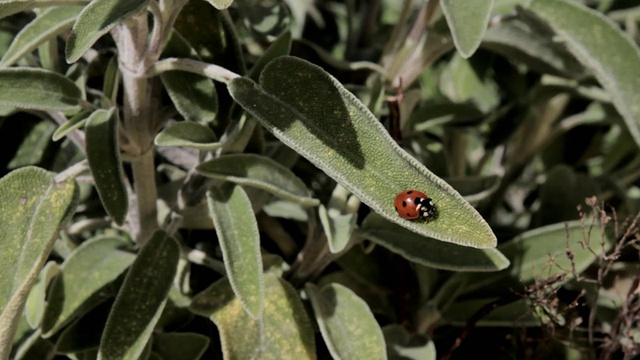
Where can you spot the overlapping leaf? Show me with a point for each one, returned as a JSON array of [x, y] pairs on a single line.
[[141, 299], [237, 231], [592, 39], [284, 324], [260, 172], [38, 89]]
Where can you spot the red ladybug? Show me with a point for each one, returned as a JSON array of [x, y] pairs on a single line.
[[414, 204]]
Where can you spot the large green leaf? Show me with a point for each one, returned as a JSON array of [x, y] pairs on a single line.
[[315, 115], [260, 172], [33, 208], [467, 21], [103, 153], [95, 20], [38, 89], [429, 252], [347, 325], [237, 231], [92, 266], [48, 25], [601, 47], [284, 327], [141, 299], [526, 41]]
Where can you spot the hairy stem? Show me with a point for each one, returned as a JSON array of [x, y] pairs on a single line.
[[131, 39]]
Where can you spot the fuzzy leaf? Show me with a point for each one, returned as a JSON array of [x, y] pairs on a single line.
[[593, 39], [346, 323], [280, 47], [35, 305], [402, 345], [315, 115], [337, 228], [103, 153], [77, 121], [530, 43], [193, 95], [428, 252], [51, 23], [141, 299], [188, 134], [467, 22], [92, 266], [220, 4], [33, 208], [237, 230], [37, 89], [284, 324], [538, 253], [95, 20], [260, 172]]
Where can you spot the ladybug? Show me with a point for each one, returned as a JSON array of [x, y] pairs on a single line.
[[414, 204]]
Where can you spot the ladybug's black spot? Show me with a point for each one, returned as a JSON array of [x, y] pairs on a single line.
[[404, 204], [409, 192], [396, 208], [408, 215]]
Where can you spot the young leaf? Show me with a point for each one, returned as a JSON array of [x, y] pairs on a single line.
[[34, 307], [95, 20], [103, 154], [237, 231], [315, 115], [428, 252], [38, 89], [260, 172], [538, 253], [337, 228], [284, 326], [76, 122], [33, 208], [92, 266], [346, 323], [467, 21], [51, 23], [141, 299], [592, 38], [188, 134]]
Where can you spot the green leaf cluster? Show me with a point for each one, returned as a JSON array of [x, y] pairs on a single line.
[[202, 179]]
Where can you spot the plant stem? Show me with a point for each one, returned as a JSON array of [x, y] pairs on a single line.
[[131, 38]]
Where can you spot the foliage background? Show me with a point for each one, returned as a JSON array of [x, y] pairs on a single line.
[[204, 179]]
